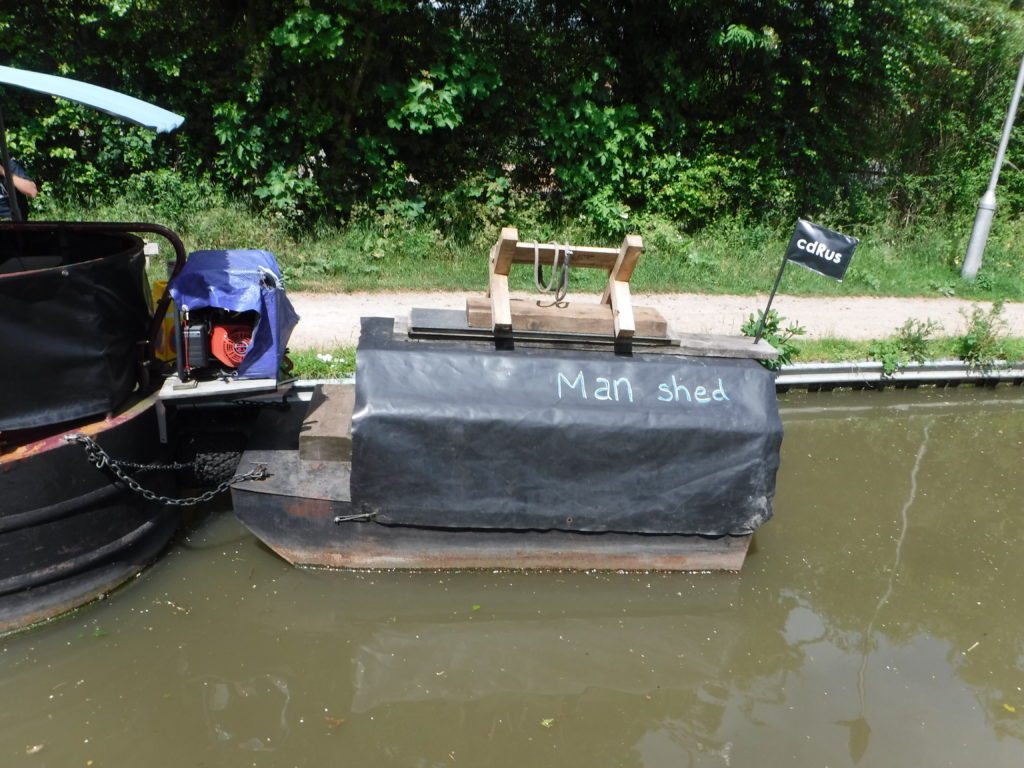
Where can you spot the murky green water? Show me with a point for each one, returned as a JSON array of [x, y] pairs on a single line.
[[878, 622]]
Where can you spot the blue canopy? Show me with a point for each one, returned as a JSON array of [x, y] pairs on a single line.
[[103, 99]]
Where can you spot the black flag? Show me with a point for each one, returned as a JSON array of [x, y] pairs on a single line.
[[821, 250]]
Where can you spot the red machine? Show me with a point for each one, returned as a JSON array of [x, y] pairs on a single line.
[[216, 339]]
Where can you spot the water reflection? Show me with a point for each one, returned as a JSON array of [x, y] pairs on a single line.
[[860, 729], [877, 623], [937, 483], [253, 713]]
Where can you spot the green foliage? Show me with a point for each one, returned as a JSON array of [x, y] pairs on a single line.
[[909, 345], [841, 350], [779, 337], [329, 364], [889, 354], [437, 97], [476, 204], [394, 246], [852, 112], [913, 337], [983, 340], [832, 349]]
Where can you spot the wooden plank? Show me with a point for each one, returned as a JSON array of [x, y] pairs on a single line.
[[497, 283], [326, 434], [715, 345], [625, 262], [504, 250], [597, 319], [499, 311], [492, 257], [633, 245], [438, 324], [622, 310], [582, 255]]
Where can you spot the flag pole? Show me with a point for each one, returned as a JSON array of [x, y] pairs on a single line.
[[771, 297]]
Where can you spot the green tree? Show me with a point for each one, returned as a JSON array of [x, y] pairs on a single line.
[[687, 108]]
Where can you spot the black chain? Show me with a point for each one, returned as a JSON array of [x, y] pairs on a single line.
[[101, 459]]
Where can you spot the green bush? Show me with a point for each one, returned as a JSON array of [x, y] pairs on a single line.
[[850, 112], [909, 345], [983, 340], [779, 337]]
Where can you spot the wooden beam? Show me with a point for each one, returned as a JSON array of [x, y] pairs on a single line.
[[501, 311], [582, 256], [711, 345], [622, 309], [497, 283], [492, 256], [504, 250], [619, 264], [625, 262], [586, 318]]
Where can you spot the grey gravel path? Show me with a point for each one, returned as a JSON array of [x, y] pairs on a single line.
[[330, 320]]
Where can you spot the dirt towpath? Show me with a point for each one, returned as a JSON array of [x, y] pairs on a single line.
[[331, 320]]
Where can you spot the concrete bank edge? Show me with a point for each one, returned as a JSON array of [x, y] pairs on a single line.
[[858, 373]]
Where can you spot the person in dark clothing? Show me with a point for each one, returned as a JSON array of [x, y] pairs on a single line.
[[22, 184]]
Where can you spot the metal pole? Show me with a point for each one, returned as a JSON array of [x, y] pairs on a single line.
[[771, 296], [987, 205]]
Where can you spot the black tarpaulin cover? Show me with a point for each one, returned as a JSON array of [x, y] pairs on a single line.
[[73, 311], [462, 435]]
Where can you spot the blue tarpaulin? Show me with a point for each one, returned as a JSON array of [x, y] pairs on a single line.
[[241, 281]]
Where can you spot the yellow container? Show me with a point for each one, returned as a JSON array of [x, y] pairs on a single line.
[[164, 349]]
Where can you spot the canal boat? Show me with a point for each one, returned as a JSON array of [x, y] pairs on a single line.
[[78, 393], [87, 485], [525, 434], [75, 319]]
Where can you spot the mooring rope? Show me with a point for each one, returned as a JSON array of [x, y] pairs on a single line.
[[559, 283]]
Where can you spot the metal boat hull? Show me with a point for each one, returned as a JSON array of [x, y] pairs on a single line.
[[296, 513], [70, 532]]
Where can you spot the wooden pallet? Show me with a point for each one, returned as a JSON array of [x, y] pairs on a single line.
[[614, 311]]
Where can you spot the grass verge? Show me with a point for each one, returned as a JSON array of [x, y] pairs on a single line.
[[386, 250], [842, 350]]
